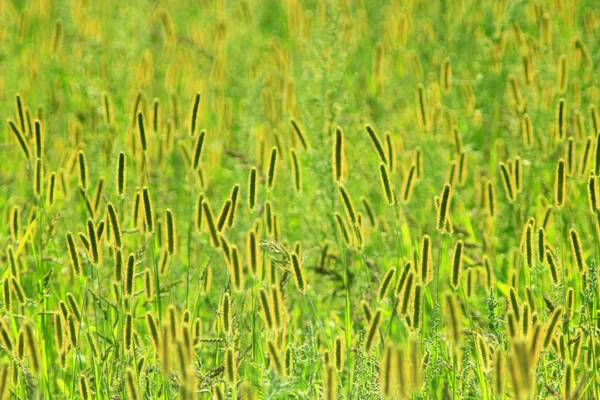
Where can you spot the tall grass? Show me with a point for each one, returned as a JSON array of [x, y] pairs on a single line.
[[265, 199]]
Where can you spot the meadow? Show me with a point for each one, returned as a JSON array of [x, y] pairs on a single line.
[[299, 199]]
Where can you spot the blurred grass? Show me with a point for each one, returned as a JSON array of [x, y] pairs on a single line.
[[257, 64]]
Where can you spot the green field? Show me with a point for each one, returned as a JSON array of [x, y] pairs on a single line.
[[299, 199]]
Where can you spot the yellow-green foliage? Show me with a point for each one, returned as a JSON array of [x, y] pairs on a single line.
[[299, 199]]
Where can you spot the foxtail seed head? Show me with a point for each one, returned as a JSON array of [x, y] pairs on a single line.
[[338, 155], [592, 193], [385, 283], [444, 208], [115, 226], [551, 327], [148, 212], [128, 331], [298, 271], [553, 266], [562, 76], [402, 279], [541, 244], [330, 382], [570, 155], [272, 173], [570, 304], [490, 198], [226, 313], [132, 386], [518, 174], [38, 178], [296, 171], [108, 110], [198, 150], [94, 251], [148, 285], [386, 184], [230, 366], [275, 357], [350, 211], [372, 331], [594, 119], [7, 295], [39, 139], [277, 302], [366, 310], [73, 306], [456, 264], [585, 156], [391, 153], [237, 272], [514, 303], [577, 250], [426, 261], [483, 353], [170, 232], [153, 330], [339, 353], [385, 375], [84, 387], [408, 184], [142, 130], [21, 138], [130, 275], [224, 215], [289, 361], [118, 265], [508, 182], [446, 75], [527, 243], [423, 115], [233, 196], [32, 345], [559, 184], [527, 130], [407, 293], [210, 222], [560, 119], [453, 319], [597, 158], [525, 320], [417, 307], [252, 189], [75, 262], [252, 251], [299, 133], [419, 162], [266, 308], [194, 114], [376, 143], [5, 336]]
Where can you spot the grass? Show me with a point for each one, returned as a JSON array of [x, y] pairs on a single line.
[[223, 199]]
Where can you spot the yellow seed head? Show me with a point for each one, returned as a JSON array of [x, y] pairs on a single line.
[[559, 184]]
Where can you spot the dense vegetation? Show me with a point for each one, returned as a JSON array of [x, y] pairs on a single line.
[[299, 199]]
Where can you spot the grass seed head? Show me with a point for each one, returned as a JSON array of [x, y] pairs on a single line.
[[426, 261], [298, 272], [372, 331], [559, 184], [272, 172], [456, 265], [148, 211], [386, 184], [130, 275], [385, 283]]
